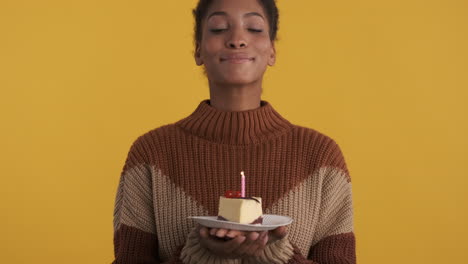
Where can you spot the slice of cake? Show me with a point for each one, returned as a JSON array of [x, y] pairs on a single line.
[[244, 210]]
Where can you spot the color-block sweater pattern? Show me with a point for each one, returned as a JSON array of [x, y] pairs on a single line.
[[181, 169]]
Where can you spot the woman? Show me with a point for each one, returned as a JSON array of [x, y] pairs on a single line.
[[181, 169]]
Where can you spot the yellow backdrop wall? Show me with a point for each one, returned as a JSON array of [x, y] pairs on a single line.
[[81, 80]]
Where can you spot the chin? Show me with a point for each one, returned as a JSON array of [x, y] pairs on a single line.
[[238, 79]]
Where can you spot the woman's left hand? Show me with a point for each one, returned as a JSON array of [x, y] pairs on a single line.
[[215, 240]]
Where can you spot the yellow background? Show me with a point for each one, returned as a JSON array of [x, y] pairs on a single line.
[[81, 80]]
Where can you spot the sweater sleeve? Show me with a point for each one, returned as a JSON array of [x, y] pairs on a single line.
[[135, 239], [334, 240]]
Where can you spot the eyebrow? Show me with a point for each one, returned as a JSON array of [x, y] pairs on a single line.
[[221, 13]]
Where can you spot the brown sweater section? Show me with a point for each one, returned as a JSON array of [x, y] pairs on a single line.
[[181, 169], [344, 242]]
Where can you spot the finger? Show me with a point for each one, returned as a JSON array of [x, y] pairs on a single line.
[[222, 248], [234, 233], [221, 232], [248, 243], [234, 243], [257, 247], [213, 231], [203, 232], [265, 240], [279, 233]]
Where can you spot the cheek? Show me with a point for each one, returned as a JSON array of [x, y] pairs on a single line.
[[210, 48], [264, 49]]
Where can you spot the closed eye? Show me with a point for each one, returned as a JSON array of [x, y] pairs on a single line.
[[218, 30], [255, 30]]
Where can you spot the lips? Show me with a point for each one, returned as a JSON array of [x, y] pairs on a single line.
[[236, 58]]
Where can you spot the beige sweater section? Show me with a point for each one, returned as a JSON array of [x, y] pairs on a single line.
[[180, 170]]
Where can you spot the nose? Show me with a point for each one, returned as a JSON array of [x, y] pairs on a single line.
[[235, 44], [236, 40]]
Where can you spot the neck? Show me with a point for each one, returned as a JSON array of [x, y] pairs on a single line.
[[235, 97]]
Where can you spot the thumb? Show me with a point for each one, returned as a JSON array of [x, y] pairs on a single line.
[[279, 232]]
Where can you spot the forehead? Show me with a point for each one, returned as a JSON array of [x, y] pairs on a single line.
[[236, 7]]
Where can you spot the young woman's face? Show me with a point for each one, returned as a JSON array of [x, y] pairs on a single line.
[[235, 46]]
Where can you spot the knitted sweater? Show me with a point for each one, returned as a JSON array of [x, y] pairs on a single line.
[[181, 169]]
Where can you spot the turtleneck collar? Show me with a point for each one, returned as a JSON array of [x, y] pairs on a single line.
[[235, 127]]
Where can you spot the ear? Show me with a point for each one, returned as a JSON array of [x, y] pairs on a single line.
[[272, 58], [197, 55]]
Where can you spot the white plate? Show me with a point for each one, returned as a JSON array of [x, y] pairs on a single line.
[[270, 222]]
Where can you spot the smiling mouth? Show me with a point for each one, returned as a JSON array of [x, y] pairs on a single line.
[[237, 60]]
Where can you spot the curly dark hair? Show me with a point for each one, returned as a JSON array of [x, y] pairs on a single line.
[[269, 6]]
